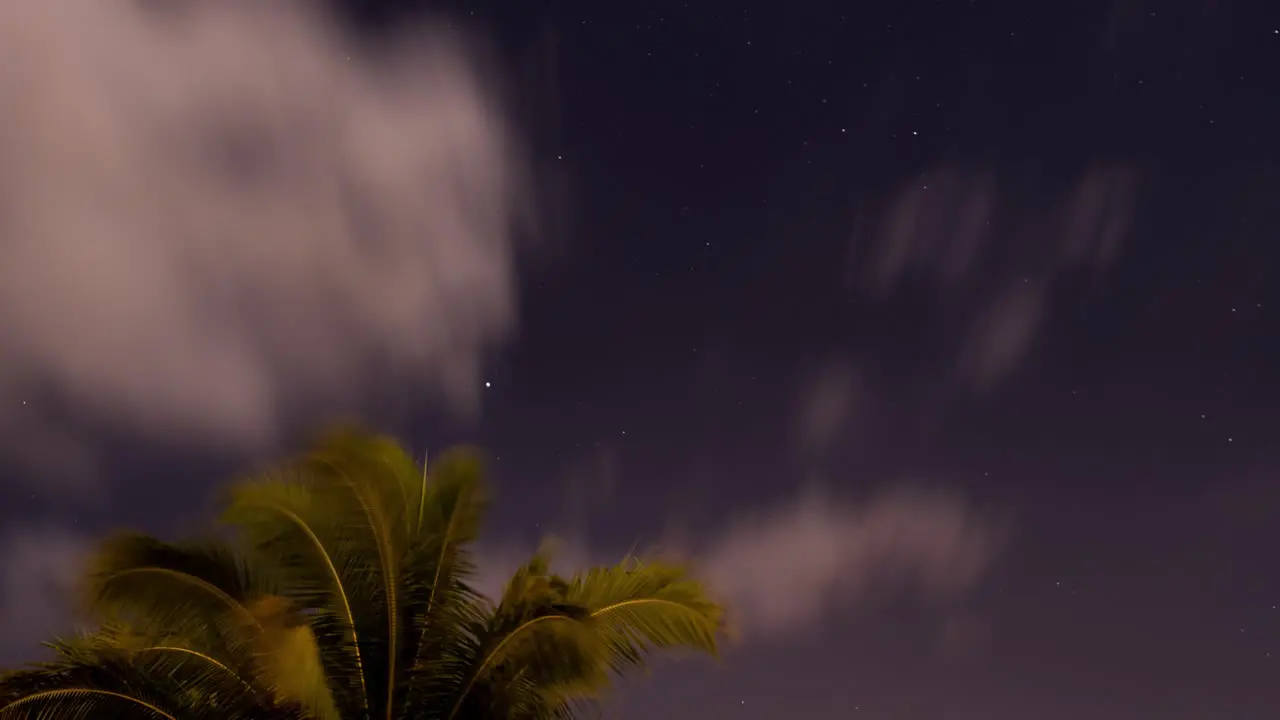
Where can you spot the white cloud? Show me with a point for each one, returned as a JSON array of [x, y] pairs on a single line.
[[222, 216], [788, 571]]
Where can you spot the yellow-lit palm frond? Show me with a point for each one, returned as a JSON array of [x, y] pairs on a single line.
[[185, 630], [117, 674], [552, 644], [196, 595], [345, 594], [373, 549]]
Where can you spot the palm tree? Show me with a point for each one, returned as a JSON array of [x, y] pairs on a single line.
[[344, 594]]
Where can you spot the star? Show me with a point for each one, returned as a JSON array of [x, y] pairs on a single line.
[[486, 383]]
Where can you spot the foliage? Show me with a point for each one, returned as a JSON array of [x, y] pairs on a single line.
[[345, 594]]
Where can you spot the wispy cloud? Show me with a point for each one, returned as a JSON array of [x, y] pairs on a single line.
[[1001, 334], [991, 249], [785, 572], [217, 217], [790, 570], [827, 403]]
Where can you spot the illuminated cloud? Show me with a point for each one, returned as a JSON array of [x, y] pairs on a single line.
[[791, 570], [786, 572], [217, 217]]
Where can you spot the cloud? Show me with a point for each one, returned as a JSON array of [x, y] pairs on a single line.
[[788, 571], [940, 221], [826, 404], [218, 216], [40, 564], [990, 247], [1001, 335], [782, 573]]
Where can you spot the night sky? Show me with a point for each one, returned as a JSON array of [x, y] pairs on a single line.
[[942, 333]]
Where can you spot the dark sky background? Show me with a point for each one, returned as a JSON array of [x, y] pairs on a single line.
[[944, 332]]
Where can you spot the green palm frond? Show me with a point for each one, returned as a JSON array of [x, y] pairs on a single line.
[[322, 567], [377, 480], [94, 678], [288, 660], [638, 607], [346, 594], [443, 609], [76, 703], [196, 592], [372, 550], [561, 639]]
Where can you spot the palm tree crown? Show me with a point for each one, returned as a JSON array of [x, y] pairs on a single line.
[[344, 593]]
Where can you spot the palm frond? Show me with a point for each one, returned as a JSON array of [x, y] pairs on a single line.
[[376, 478], [452, 504], [346, 593], [94, 678], [196, 592], [638, 607], [346, 523], [321, 569], [519, 658], [552, 643], [444, 612], [531, 652], [289, 661], [80, 702]]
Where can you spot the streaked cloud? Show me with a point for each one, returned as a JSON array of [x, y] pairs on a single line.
[[990, 248]]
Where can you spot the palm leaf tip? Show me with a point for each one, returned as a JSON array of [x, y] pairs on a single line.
[[641, 607]]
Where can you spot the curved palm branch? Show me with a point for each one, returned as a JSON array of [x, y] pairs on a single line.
[[563, 639], [347, 595], [198, 591], [184, 630], [102, 676]]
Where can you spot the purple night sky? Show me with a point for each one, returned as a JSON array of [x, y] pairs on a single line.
[[944, 334]]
